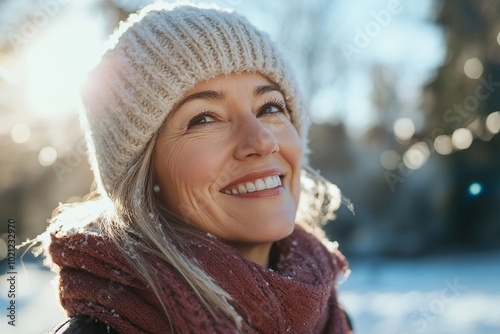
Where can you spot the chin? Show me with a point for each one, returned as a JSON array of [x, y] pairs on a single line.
[[279, 232]]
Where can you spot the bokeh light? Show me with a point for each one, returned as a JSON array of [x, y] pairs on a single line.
[[416, 156], [390, 159], [475, 189], [498, 38], [20, 133], [47, 156], [404, 129], [443, 145], [473, 68], [462, 138], [493, 122]]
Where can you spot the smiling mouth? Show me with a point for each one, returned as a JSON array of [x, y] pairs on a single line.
[[268, 182]]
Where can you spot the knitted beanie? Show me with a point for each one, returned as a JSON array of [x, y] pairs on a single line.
[[155, 57]]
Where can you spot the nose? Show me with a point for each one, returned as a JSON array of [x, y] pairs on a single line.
[[254, 139]]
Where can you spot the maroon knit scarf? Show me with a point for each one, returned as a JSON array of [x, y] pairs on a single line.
[[297, 297]]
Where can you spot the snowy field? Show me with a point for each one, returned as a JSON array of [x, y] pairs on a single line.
[[442, 295], [459, 295]]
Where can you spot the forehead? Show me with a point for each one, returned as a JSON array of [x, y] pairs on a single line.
[[234, 82]]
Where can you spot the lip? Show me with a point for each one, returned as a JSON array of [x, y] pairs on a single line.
[[253, 176]]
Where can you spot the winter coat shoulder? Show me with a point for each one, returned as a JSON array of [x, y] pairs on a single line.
[[82, 324]]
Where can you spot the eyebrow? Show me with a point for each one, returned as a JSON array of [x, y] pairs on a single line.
[[212, 95], [259, 90]]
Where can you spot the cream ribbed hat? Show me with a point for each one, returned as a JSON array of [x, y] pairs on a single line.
[[155, 57]]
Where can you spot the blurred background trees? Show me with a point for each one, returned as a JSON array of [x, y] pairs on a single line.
[[411, 141], [461, 101]]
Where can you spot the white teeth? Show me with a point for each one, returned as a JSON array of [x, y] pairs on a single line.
[[242, 189], [278, 180], [260, 184], [268, 182], [250, 187]]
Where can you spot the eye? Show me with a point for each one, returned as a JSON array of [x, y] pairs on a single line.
[[200, 119], [274, 106]]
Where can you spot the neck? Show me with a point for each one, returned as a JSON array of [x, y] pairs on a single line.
[[257, 253]]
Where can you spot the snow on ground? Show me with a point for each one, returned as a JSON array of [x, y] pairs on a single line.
[[452, 294]]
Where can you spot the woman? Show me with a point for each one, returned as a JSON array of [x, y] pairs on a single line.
[[197, 139]]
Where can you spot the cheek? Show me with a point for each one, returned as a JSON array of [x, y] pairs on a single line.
[[181, 175], [292, 150]]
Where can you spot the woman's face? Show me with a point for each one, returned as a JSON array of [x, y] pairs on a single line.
[[228, 160]]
